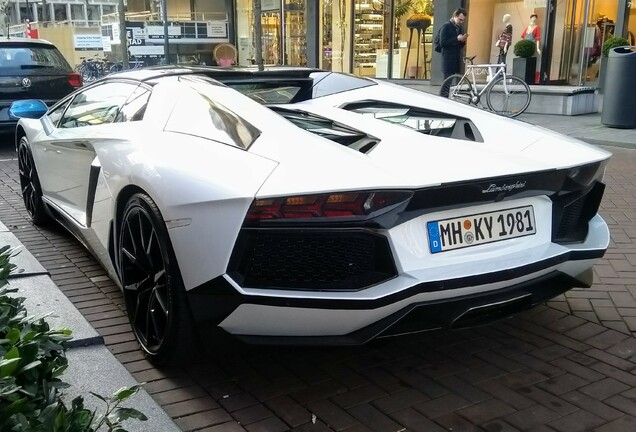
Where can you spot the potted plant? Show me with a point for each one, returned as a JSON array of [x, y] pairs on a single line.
[[524, 65], [611, 42]]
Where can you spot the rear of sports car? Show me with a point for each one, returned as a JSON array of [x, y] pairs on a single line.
[[442, 245]]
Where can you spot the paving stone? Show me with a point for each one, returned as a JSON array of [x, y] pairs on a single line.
[[464, 389], [580, 421], [499, 426], [190, 406], [585, 331], [485, 411], [624, 404], [612, 360], [332, 415], [289, 410], [238, 401], [203, 419], [624, 349], [562, 384], [566, 323], [252, 414], [400, 400], [442, 406], [549, 370], [374, 419], [530, 417], [230, 426], [414, 421], [358, 396], [622, 424], [271, 424], [604, 388], [522, 378], [574, 368], [548, 400], [592, 405]]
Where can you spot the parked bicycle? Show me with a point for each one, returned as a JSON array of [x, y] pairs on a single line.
[[92, 68], [132, 64], [505, 94]]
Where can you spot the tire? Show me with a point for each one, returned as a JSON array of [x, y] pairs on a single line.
[[155, 298], [30, 185], [456, 87], [509, 100], [117, 67]]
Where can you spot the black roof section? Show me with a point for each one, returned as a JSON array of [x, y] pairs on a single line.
[[222, 74]]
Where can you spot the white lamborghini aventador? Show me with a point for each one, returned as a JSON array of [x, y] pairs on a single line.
[[304, 206]]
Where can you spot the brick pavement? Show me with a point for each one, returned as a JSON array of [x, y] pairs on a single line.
[[566, 366]]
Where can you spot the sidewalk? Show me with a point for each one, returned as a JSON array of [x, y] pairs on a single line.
[[92, 367], [586, 127]]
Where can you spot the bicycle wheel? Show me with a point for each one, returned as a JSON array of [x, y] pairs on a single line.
[[457, 88], [510, 97]]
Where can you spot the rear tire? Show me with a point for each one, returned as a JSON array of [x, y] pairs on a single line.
[[30, 185], [509, 100], [155, 298]]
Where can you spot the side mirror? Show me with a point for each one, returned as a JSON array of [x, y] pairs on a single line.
[[28, 108]]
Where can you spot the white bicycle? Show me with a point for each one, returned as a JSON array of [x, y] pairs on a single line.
[[506, 95]]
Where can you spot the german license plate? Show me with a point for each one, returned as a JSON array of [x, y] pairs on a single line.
[[481, 228]]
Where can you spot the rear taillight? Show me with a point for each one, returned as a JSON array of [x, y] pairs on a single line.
[[348, 205], [75, 79]]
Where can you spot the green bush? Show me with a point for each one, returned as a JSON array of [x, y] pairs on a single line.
[[524, 48], [613, 42], [32, 359]]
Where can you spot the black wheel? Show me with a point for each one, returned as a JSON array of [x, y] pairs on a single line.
[[457, 88], [510, 97], [153, 290], [30, 185]]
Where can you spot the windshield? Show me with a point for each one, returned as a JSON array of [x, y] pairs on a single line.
[[30, 56]]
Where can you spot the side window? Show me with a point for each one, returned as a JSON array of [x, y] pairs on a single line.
[[56, 114], [135, 106], [97, 105], [197, 114]]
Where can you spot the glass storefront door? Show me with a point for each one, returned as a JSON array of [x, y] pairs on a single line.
[[284, 32], [295, 47], [271, 37], [581, 27]]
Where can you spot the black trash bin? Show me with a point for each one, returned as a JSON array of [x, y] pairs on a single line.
[[619, 100]]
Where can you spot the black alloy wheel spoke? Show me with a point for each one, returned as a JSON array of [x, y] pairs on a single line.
[[27, 185], [144, 279]]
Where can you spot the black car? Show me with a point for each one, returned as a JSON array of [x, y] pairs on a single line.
[[32, 69]]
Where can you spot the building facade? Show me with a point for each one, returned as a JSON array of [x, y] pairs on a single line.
[[366, 37], [371, 37]]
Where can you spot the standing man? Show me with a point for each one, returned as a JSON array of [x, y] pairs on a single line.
[[453, 40]]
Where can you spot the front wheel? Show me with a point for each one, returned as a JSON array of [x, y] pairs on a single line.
[[153, 290], [508, 97], [458, 88], [30, 185]]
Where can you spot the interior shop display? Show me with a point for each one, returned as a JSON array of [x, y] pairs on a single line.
[[295, 33], [368, 37]]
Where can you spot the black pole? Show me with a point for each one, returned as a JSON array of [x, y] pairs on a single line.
[[164, 17]]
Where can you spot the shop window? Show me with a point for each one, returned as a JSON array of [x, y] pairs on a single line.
[[77, 12], [59, 12]]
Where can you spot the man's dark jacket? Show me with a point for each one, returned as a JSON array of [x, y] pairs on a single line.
[[451, 48]]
